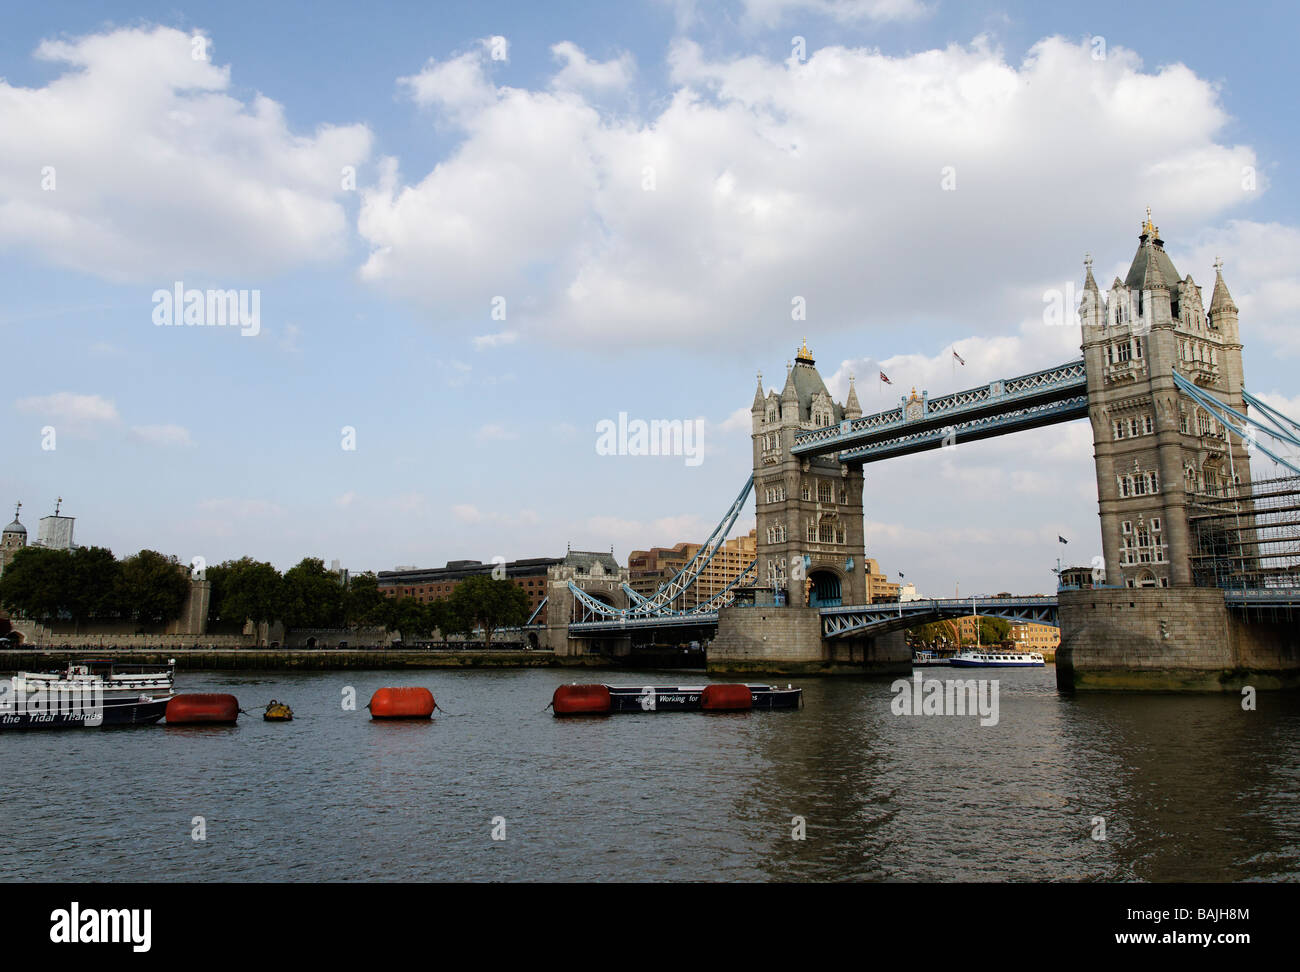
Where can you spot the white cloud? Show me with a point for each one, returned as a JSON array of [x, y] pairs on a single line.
[[580, 73], [773, 180], [69, 409], [158, 170], [162, 435]]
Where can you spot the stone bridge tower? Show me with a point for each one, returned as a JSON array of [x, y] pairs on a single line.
[[1155, 448], [810, 534]]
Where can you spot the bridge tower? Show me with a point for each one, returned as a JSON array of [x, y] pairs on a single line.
[[1154, 446], [810, 533]]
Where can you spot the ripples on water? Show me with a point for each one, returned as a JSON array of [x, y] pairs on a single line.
[[1192, 788]]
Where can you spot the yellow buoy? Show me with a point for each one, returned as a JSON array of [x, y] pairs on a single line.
[[278, 712]]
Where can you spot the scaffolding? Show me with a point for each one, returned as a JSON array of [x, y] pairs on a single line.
[[1247, 538]]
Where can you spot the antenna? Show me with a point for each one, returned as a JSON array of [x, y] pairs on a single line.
[[57, 505]]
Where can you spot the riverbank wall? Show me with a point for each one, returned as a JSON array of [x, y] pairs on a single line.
[[316, 659]]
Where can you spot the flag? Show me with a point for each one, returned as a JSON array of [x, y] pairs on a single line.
[[901, 574], [1061, 539], [960, 360], [885, 378]]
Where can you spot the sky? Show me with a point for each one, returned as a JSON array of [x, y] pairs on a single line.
[[475, 232]]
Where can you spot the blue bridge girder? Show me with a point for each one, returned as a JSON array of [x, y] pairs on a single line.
[[838, 622], [1029, 401]]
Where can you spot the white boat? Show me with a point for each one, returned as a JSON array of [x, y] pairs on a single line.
[[87, 694], [996, 658]]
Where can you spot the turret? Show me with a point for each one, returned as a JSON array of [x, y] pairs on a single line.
[[789, 399], [1223, 310], [852, 410], [759, 406]]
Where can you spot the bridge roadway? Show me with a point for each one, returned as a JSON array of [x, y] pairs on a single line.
[[838, 622], [1058, 394], [873, 619]]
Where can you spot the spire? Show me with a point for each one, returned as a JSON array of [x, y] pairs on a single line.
[[758, 395], [852, 409], [789, 392], [804, 356], [1089, 282], [1149, 229], [1221, 301]]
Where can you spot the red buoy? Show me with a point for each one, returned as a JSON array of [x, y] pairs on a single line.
[[212, 709], [726, 698], [407, 702], [581, 700]]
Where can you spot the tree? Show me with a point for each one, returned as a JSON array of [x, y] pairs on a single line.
[[313, 596], [81, 584], [487, 603], [363, 603], [153, 587], [245, 590]]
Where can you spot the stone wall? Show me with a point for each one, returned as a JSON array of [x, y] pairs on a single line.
[[1170, 639], [788, 641], [122, 635]]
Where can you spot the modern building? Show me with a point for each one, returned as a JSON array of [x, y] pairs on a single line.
[[650, 569], [907, 592], [879, 586]]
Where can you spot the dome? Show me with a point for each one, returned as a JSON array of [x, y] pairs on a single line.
[[16, 527]]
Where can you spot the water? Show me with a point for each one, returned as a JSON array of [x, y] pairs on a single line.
[[1191, 788]]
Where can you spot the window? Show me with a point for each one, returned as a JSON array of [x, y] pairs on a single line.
[[1119, 428], [824, 492], [1134, 429], [1147, 425], [1123, 353], [812, 533], [844, 495], [804, 493], [1137, 349]]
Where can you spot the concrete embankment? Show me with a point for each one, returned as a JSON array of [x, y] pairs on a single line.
[[282, 659]]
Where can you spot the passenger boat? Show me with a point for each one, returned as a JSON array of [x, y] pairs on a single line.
[[995, 658], [714, 697], [87, 694]]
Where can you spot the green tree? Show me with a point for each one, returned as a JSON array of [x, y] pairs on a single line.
[[43, 584], [95, 584], [363, 603], [152, 587], [313, 596], [245, 590], [489, 604]]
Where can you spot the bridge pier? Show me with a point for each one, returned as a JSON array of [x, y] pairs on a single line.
[[1170, 640], [766, 639]]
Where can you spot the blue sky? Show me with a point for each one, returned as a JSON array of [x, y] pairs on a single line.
[[524, 178]]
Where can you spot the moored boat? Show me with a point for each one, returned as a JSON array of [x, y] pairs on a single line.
[[996, 658], [92, 693], [714, 697]]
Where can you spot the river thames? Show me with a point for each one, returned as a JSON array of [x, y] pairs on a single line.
[[1191, 788]]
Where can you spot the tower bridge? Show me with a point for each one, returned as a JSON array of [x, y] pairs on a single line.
[[1202, 571]]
